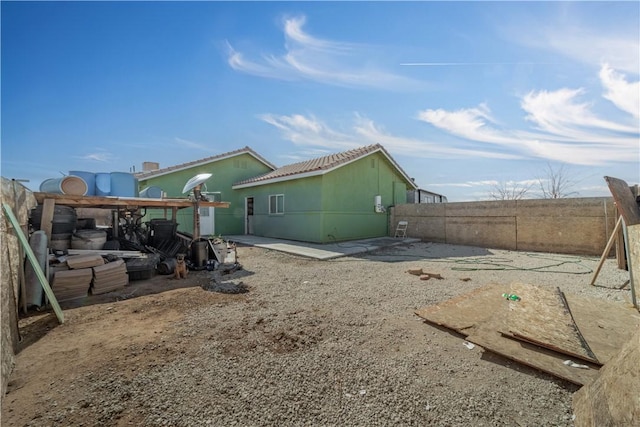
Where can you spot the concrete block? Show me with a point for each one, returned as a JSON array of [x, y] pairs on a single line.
[[490, 232], [481, 209], [428, 229], [569, 235], [582, 207]]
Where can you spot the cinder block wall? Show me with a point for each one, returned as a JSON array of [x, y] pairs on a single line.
[[572, 226]]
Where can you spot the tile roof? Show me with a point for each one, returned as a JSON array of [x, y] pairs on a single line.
[[319, 166], [164, 171]]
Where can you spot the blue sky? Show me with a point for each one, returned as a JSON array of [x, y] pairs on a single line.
[[462, 94]]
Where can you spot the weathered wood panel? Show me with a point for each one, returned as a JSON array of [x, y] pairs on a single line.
[[605, 325], [625, 200], [481, 313], [612, 399], [542, 317], [633, 238]]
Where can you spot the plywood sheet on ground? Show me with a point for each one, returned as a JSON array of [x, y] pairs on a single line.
[[531, 355], [613, 399], [481, 314], [466, 311], [605, 325], [543, 318]]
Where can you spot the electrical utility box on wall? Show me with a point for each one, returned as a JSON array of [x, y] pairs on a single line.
[[377, 204]]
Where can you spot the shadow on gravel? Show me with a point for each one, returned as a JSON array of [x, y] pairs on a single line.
[[423, 251], [497, 359]]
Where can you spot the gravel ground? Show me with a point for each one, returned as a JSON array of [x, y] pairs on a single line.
[[312, 343]]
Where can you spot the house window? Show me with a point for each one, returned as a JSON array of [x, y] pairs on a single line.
[[276, 204], [240, 164], [204, 211]]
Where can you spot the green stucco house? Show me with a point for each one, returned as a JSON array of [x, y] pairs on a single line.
[[338, 197], [227, 169]]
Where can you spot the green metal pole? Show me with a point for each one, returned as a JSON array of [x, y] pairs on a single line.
[[34, 262]]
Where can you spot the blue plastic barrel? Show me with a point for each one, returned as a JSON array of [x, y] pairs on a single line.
[[89, 178], [124, 184], [152, 192], [103, 184], [71, 185]]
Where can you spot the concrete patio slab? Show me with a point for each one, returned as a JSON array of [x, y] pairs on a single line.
[[320, 251]]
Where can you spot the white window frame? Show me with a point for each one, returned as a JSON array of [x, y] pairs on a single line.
[[273, 210]]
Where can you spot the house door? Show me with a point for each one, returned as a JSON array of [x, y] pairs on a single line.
[[248, 215], [207, 221]]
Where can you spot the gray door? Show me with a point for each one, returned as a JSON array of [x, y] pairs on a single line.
[[248, 209]]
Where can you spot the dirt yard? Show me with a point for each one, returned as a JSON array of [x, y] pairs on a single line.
[[316, 343]]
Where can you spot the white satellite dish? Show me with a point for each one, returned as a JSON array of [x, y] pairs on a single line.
[[195, 181]]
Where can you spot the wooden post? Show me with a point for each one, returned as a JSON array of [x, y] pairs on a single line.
[[34, 262], [46, 222], [620, 251], [605, 254], [632, 238]]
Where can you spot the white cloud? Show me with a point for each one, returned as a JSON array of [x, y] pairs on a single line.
[[559, 112], [624, 95], [590, 40], [102, 156], [564, 128], [324, 61], [310, 132], [191, 144], [467, 184]]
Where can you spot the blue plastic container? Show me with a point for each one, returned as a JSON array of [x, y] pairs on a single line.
[[71, 185], [152, 192], [103, 184], [124, 184], [89, 178]]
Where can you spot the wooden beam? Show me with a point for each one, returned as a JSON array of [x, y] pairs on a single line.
[[34, 262], [102, 252], [632, 234], [605, 253], [46, 221], [126, 202]]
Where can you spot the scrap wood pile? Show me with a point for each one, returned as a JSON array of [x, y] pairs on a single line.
[[566, 335], [78, 275]]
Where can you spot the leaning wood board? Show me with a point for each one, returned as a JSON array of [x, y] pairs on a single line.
[[633, 243], [625, 201], [612, 399]]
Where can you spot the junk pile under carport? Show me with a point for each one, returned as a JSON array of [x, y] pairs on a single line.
[[82, 254]]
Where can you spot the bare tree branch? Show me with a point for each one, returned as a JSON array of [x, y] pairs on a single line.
[[509, 190], [556, 183]]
